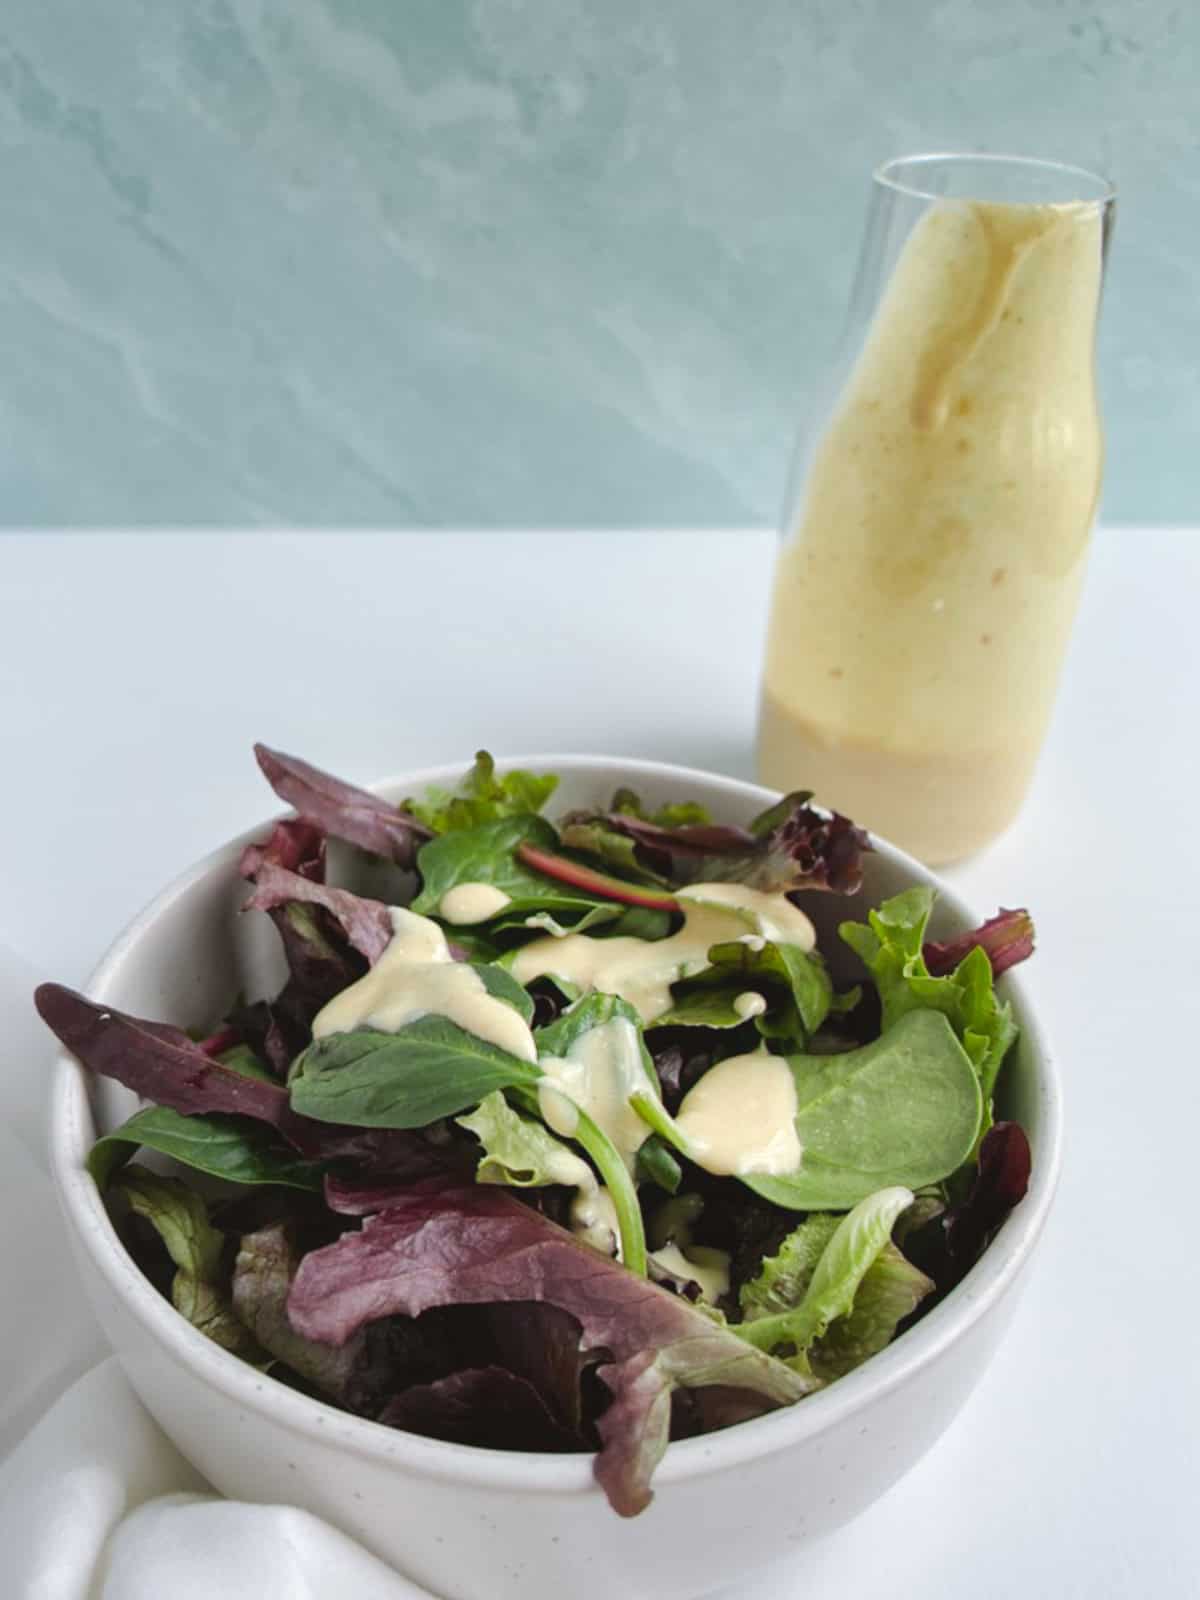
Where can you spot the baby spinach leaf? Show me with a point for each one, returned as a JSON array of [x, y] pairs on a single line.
[[486, 854], [837, 1288], [483, 797], [229, 1147], [902, 1110], [430, 1069], [699, 1003], [890, 944], [180, 1218]]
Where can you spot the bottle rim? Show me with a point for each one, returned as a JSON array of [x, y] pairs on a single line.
[[903, 174]]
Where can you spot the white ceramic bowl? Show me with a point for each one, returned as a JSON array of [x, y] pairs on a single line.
[[466, 1522]]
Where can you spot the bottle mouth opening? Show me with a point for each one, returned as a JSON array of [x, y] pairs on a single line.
[[1014, 180]]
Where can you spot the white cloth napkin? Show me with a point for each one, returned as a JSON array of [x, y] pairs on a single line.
[[95, 1501]]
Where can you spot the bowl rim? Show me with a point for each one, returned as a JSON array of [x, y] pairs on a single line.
[[986, 1284]]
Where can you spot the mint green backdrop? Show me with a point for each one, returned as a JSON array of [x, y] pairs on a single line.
[[525, 262]]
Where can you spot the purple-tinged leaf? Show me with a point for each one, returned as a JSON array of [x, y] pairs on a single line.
[[791, 846], [950, 1244], [343, 810], [1006, 939], [487, 1406], [1005, 1163], [163, 1065], [351, 1197], [366, 924], [157, 1063], [479, 1247], [294, 844]]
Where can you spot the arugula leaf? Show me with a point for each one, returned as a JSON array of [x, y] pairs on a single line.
[[233, 1148], [180, 1218], [486, 854], [836, 1290], [519, 1151], [901, 1110], [430, 1069], [890, 945], [482, 797], [482, 1246]]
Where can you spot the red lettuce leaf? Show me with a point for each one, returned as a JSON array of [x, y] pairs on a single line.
[[948, 1246], [791, 846], [488, 1406], [162, 1064], [1007, 938], [294, 844], [365, 924], [480, 1246], [343, 810], [157, 1062]]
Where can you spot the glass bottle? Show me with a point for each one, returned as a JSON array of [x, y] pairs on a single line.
[[935, 533]]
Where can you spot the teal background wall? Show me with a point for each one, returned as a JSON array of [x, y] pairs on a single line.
[[502, 262]]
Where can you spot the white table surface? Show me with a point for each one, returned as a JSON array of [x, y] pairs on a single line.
[[136, 670]]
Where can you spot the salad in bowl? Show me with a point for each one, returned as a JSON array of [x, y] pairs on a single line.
[[570, 1135]]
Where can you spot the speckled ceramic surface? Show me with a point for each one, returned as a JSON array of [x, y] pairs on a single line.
[[467, 1522]]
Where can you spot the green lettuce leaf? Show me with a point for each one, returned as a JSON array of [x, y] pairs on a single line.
[[482, 797], [180, 1218], [890, 944], [836, 1289], [519, 1151]]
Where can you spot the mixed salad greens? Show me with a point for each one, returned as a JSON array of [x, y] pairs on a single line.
[[567, 1142]]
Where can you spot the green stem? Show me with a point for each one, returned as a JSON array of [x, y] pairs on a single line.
[[655, 1115], [614, 1174]]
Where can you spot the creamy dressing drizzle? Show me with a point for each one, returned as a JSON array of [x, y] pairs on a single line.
[[416, 977], [741, 1117], [472, 902], [750, 1004], [594, 1218], [597, 1075], [709, 1269], [641, 971]]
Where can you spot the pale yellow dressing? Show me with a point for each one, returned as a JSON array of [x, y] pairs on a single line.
[[416, 977], [597, 1075], [741, 1117], [922, 605], [750, 1004], [708, 1269], [472, 902], [641, 971]]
